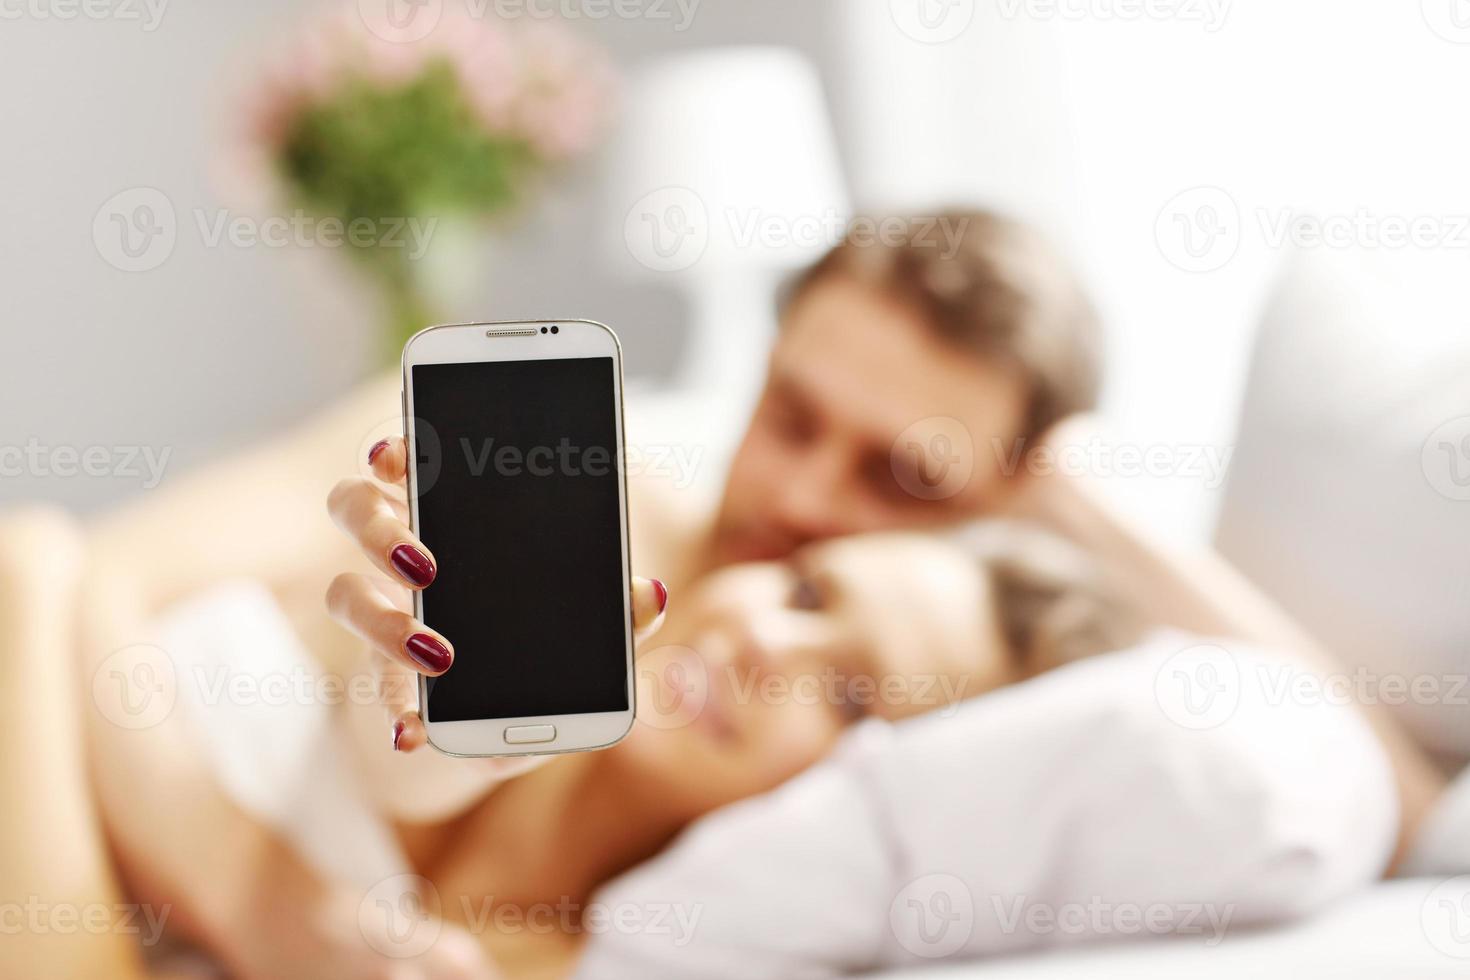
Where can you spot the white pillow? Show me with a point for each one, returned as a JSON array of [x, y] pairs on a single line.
[[1349, 495]]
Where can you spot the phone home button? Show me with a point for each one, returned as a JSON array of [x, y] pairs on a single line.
[[528, 734]]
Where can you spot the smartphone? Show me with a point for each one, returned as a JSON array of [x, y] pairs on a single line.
[[516, 484]]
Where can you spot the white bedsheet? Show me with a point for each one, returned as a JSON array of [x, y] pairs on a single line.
[[1416, 929]]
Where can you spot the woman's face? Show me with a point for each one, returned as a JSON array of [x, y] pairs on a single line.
[[763, 665]]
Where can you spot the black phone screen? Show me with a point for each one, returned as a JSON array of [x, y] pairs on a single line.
[[517, 479]]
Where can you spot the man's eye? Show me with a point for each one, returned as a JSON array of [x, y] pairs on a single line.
[[807, 594], [794, 427], [791, 423], [887, 479]]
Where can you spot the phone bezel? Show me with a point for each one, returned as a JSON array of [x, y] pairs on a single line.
[[469, 343]]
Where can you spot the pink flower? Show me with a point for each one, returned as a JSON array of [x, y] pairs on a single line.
[[568, 89], [484, 60], [540, 84]]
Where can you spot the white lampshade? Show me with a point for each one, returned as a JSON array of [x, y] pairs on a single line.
[[724, 177], [726, 160]]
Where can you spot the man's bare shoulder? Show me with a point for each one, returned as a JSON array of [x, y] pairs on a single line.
[[669, 526]]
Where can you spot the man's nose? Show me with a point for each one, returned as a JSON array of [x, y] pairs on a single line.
[[808, 500]]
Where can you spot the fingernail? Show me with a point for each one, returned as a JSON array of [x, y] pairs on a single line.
[[661, 592], [378, 447], [397, 734], [413, 565], [429, 653]]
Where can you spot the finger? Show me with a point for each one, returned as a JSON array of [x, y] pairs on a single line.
[[408, 732], [398, 693], [362, 511], [358, 604], [650, 600], [389, 459]]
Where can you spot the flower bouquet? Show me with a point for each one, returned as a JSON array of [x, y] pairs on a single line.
[[381, 133]]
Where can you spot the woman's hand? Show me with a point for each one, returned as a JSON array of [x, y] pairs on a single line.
[[379, 611]]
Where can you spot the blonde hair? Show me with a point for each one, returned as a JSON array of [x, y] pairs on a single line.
[[1055, 604]]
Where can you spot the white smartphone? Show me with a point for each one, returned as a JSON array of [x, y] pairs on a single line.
[[516, 484]]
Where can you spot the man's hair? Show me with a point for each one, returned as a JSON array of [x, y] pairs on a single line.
[[990, 284]]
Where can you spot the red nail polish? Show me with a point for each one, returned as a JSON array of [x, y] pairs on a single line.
[[413, 565], [397, 734], [428, 653], [376, 451], [661, 592]]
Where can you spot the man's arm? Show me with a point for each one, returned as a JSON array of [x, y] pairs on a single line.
[[1199, 591]]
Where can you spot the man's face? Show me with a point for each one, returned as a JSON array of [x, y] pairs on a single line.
[[852, 372]]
